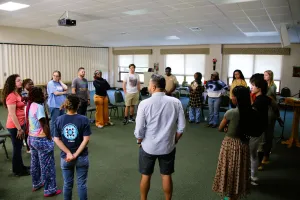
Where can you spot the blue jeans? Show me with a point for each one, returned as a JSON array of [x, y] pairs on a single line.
[[68, 168], [214, 107], [54, 113], [17, 161], [192, 112]]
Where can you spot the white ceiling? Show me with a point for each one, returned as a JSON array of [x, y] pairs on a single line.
[[101, 22]]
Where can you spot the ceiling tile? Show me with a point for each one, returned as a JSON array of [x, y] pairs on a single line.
[[229, 7], [260, 18], [235, 14], [281, 18], [274, 3], [254, 13], [251, 5], [242, 20], [249, 29], [279, 10], [201, 3], [182, 6]]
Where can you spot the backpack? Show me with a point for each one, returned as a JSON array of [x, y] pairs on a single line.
[[285, 92]]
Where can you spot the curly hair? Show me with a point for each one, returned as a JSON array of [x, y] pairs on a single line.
[[9, 87], [25, 82], [72, 103], [36, 95]]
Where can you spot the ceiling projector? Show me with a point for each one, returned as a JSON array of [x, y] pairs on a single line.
[[66, 22]]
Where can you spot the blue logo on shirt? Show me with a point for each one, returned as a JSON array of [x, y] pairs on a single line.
[[70, 131]]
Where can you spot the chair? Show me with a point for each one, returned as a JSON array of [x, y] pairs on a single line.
[[224, 105], [119, 101], [3, 135], [112, 107], [91, 108]]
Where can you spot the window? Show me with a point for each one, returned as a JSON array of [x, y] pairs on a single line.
[[184, 66], [251, 64], [141, 62]]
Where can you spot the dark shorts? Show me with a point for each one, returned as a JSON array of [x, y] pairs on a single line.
[[147, 162]]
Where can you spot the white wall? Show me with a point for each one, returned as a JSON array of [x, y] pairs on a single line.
[[35, 36], [215, 52]]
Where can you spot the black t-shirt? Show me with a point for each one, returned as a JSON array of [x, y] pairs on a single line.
[[261, 104], [101, 86], [71, 129]]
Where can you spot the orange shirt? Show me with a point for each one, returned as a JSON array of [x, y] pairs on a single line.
[[15, 99]]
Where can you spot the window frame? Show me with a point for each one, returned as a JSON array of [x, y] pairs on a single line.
[[124, 72], [184, 61], [253, 69]]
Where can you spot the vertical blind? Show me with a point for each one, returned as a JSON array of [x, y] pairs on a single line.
[[38, 62]]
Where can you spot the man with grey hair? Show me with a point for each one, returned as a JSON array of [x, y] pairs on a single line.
[[160, 123]]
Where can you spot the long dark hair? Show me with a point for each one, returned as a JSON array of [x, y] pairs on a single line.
[[199, 77], [241, 74], [35, 95], [9, 87], [242, 95]]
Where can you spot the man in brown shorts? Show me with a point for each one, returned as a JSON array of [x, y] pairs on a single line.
[[131, 87]]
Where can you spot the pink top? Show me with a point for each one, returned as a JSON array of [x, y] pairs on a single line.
[[15, 99]]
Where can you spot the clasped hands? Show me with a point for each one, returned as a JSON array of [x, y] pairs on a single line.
[[70, 157]]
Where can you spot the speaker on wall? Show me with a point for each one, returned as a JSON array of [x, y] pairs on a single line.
[[284, 36]]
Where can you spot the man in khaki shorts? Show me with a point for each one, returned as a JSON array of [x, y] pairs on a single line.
[[131, 87]]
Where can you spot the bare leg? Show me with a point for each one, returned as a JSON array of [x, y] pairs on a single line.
[[145, 186], [167, 186], [131, 110], [126, 111]]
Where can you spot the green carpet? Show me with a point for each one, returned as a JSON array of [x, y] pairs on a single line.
[[113, 173]]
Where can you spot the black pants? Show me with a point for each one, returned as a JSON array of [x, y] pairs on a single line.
[[17, 161], [82, 108]]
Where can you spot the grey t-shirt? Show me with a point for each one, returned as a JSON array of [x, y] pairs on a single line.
[[233, 116], [81, 88]]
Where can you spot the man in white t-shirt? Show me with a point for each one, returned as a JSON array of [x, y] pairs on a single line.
[[131, 87]]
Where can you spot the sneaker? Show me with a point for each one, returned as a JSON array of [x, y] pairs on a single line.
[[214, 126], [209, 125], [131, 120], [197, 122], [23, 173], [110, 124], [254, 178], [99, 126], [125, 121], [254, 183], [190, 121], [36, 189], [53, 194]]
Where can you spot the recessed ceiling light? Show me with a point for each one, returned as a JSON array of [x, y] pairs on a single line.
[[172, 37], [261, 34], [195, 29], [12, 6], [229, 1], [136, 12]]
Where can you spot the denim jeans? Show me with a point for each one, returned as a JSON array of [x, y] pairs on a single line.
[[214, 107], [54, 113], [17, 161], [194, 111], [68, 168]]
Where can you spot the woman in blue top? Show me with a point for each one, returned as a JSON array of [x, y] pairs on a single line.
[[215, 88], [56, 90]]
